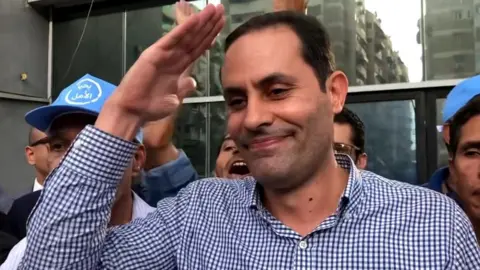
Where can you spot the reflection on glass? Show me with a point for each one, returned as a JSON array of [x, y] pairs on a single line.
[[451, 39], [190, 134], [99, 54], [145, 26], [237, 12], [218, 122], [390, 138], [442, 152], [369, 43], [366, 40]]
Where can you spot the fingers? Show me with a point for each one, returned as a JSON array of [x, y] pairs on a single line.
[[204, 40], [206, 43], [186, 86], [185, 32]]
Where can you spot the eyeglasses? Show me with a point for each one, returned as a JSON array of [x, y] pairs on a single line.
[[346, 149], [55, 146]]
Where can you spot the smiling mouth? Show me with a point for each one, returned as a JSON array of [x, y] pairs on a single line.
[[239, 168]]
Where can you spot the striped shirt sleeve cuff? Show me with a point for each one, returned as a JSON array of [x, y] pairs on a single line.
[[99, 155]]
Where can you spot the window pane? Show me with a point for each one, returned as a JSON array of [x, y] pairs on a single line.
[[452, 41], [237, 12], [442, 152], [390, 138], [100, 51], [218, 122], [190, 134], [369, 44], [145, 26]]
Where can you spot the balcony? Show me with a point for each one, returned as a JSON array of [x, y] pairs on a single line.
[[361, 72], [361, 35], [361, 55], [379, 45]]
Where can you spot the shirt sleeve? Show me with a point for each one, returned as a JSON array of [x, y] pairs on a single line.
[[167, 180], [466, 249], [68, 229], [15, 256]]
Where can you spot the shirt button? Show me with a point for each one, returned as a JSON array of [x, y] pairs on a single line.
[[303, 244], [77, 144]]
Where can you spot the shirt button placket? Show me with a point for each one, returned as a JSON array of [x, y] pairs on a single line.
[[302, 254]]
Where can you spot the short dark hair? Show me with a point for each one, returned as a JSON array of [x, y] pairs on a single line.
[[348, 117], [459, 120], [314, 39]]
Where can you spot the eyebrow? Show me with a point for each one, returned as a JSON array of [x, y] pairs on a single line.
[[469, 145], [276, 77]]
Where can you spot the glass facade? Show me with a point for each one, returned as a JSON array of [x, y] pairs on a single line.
[[374, 42], [390, 139]]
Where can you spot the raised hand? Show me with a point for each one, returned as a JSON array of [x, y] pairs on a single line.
[[183, 10], [294, 5], [150, 89]]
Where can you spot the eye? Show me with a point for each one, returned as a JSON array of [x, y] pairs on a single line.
[[228, 148], [278, 92], [58, 146], [472, 153], [237, 103]]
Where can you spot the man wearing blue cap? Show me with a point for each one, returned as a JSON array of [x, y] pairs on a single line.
[[446, 180], [77, 106], [460, 95]]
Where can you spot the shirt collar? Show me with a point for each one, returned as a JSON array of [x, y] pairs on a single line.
[[36, 185], [140, 208], [438, 180], [350, 198]]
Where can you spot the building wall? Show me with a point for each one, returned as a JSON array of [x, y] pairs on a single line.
[[23, 49]]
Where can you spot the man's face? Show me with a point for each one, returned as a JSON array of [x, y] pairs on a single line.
[[37, 152], [465, 168], [343, 144], [229, 163], [278, 116]]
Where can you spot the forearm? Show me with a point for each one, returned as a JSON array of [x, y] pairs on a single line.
[[71, 217], [159, 156], [167, 180]]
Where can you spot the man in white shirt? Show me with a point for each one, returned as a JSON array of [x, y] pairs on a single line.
[[36, 155]]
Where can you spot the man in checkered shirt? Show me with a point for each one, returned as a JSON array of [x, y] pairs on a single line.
[[304, 207]]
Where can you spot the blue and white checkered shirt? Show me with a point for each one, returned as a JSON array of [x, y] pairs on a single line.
[[217, 224]]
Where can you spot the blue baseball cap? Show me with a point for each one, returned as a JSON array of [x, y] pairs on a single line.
[[86, 95], [460, 96]]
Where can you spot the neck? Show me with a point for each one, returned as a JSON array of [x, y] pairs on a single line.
[[476, 228], [122, 210], [305, 207], [40, 178]]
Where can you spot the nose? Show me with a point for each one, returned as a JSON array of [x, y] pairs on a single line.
[[235, 150], [257, 113]]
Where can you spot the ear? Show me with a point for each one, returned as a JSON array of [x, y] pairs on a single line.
[[337, 87], [30, 155], [362, 161], [446, 133], [138, 160], [453, 173]]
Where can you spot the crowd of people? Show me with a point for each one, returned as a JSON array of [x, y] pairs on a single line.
[[291, 189]]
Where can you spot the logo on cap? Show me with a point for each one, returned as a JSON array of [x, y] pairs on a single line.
[[84, 92]]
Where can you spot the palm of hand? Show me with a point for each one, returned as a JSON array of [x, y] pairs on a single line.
[[152, 87]]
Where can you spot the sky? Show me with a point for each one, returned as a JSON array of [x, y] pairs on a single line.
[[399, 20]]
